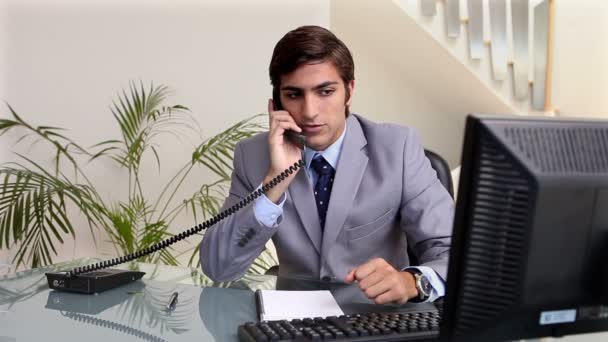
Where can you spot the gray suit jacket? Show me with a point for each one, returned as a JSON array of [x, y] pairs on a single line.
[[385, 196]]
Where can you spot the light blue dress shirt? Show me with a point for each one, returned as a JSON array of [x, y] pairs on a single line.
[[269, 214]]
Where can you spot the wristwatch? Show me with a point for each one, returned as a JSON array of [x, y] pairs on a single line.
[[423, 285]]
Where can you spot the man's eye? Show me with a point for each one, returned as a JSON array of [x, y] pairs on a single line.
[[292, 95], [327, 92]]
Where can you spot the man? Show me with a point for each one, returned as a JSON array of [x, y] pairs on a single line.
[[366, 193]]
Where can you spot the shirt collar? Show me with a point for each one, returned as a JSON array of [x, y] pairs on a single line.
[[331, 153]]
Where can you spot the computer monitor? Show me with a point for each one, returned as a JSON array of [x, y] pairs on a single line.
[[529, 255]]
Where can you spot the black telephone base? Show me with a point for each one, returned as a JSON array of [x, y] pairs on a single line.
[[91, 282]]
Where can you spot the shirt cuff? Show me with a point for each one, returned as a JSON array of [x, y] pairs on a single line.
[[266, 211], [437, 284]]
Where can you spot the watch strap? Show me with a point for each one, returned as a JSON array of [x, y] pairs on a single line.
[[421, 296]]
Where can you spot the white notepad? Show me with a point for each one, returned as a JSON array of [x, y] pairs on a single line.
[[277, 305]]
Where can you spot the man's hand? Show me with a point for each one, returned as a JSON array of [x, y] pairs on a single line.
[[382, 283], [283, 153]]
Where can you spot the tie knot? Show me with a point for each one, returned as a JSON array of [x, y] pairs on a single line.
[[321, 166]]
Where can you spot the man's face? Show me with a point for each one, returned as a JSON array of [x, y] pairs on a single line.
[[315, 96]]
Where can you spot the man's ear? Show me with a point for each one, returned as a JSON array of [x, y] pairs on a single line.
[[350, 89]]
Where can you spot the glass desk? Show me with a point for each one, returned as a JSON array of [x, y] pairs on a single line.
[[206, 311]]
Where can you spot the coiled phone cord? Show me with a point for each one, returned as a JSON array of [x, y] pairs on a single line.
[[169, 241], [112, 325]]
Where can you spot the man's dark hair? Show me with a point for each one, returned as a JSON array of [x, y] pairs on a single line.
[[310, 44]]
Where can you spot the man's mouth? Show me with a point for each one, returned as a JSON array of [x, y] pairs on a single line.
[[312, 128]]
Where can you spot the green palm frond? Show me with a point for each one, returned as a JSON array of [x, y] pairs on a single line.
[[63, 145], [132, 231], [141, 117], [204, 204], [216, 153], [33, 212]]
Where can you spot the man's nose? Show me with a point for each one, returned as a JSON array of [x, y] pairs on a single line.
[[310, 107]]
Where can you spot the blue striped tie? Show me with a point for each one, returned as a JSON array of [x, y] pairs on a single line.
[[323, 186]]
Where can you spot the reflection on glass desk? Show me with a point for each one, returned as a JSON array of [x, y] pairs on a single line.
[[206, 311]]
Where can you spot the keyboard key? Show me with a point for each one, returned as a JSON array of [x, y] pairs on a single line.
[[327, 335], [338, 334], [362, 332], [286, 336], [352, 333], [312, 335], [402, 329]]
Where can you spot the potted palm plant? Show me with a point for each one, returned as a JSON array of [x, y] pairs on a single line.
[[34, 200]]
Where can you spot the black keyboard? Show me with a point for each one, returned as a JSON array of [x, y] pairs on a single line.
[[393, 326]]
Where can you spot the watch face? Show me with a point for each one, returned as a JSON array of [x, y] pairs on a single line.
[[425, 285]]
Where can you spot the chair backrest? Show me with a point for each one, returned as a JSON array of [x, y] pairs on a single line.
[[443, 170]]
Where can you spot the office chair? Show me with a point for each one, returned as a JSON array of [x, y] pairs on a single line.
[[443, 170], [445, 177]]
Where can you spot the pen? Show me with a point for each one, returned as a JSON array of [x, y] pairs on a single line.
[[259, 304], [172, 302]]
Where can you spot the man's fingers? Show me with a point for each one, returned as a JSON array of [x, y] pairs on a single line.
[[391, 296], [368, 268], [380, 281], [350, 277], [371, 280], [281, 116], [278, 131], [289, 125], [284, 121], [377, 289]]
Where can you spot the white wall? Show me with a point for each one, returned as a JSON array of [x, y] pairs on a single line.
[[62, 62], [580, 82]]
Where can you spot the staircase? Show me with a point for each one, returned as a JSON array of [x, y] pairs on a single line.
[[410, 71], [476, 55], [507, 44]]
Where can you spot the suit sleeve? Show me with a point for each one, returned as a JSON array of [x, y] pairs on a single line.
[[427, 209], [230, 246]]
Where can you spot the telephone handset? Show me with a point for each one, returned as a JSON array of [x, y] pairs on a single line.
[[297, 139], [294, 137], [85, 280]]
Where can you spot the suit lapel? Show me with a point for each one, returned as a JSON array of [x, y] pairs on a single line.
[[351, 166], [303, 199]]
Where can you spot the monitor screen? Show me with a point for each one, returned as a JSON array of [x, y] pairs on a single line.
[[529, 254]]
